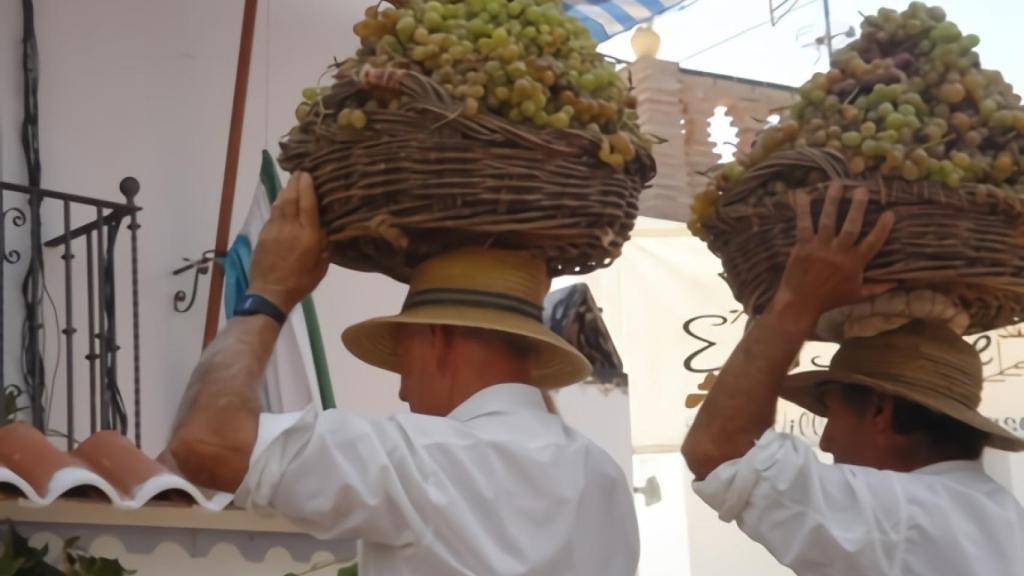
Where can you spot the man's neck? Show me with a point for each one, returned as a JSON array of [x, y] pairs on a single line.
[[915, 459]]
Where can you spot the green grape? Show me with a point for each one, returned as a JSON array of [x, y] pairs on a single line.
[[517, 71], [479, 28], [960, 121], [960, 160], [952, 93], [560, 120], [534, 15], [911, 171], [851, 139], [1003, 119], [895, 121], [907, 110], [358, 119], [952, 180], [405, 28], [421, 53], [434, 21], [944, 33], [589, 82]]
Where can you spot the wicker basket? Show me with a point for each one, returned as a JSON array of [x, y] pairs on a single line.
[[426, 178], [966, 243]]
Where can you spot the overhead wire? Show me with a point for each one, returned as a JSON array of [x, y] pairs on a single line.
[[797, 6]]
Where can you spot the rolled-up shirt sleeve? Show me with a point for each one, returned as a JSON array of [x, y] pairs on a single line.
[[815, 518], [336, 476]]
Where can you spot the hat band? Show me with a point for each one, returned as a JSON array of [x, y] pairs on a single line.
[[475, 299]]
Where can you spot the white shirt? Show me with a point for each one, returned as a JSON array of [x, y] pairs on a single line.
[[499, 487], [947, 519]]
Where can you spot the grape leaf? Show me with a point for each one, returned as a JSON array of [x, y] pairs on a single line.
[[10, 566], [94, 566]]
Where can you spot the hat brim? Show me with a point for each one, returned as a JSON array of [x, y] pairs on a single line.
[[556, 363], [801, 389]]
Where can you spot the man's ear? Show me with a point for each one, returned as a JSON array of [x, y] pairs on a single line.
[[442, 341], [882, 406]]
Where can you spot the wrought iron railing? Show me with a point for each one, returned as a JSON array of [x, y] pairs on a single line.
[[99, 234]]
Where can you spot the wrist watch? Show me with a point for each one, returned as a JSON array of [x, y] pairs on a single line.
[[253, 304]]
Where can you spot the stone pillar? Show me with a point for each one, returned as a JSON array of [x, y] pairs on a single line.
[[700, 155], [657, 88]]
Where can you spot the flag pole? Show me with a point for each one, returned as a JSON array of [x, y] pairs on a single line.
[[227, 194]]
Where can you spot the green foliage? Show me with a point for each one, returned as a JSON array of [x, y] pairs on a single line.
[[22, 559]]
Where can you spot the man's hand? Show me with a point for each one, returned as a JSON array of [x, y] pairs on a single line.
[[826, 269], [291, 256]]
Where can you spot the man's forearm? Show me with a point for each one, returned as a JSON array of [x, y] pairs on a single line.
[[218, 420], [741, 404]]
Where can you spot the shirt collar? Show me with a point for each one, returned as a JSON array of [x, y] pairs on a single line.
[[951, 467], [500, 398]]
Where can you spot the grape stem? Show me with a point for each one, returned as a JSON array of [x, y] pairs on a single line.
[[853, 95]]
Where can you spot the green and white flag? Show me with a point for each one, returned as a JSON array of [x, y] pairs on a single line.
[[297, 372]]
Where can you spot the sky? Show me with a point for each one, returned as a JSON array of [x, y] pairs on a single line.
[[736, 37]]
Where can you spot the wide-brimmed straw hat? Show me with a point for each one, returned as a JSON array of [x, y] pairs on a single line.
[[923, 362], [500, 290]]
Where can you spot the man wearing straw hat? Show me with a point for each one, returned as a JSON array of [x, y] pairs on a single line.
[[907, 494], [480, 480]]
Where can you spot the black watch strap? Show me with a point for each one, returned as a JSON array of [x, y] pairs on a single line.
[[253, 304]]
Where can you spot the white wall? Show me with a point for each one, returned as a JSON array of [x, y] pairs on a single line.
[[12, 168], [144, 88]]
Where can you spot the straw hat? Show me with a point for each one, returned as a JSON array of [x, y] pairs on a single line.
[[922, 362], [493, 289]]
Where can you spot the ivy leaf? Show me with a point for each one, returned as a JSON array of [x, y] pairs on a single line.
[[93, 566], [10, 566], [350, 570], [23, 558], [33, 559]]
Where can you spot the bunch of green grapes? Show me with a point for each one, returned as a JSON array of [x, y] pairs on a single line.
[[525, 60], [908, 99]]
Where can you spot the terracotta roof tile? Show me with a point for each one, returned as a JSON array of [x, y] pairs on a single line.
[[107, 463]]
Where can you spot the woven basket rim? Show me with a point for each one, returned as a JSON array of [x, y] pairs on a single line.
[[967, 243], [970, 195], [426, 168]]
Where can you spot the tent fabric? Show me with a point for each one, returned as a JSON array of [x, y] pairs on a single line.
[[606, 18]]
